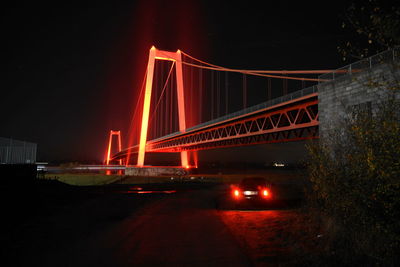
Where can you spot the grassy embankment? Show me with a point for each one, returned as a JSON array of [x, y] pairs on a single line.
[[84, 179], [88, 179]]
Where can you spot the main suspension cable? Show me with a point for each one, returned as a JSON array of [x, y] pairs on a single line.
[[254, 73], [266, 71], [263, 73]]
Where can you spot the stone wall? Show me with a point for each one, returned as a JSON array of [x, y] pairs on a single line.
[[155, 171], [359, 90]]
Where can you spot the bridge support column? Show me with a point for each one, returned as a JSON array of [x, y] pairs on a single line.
[[181, 104], [177, 58], [118, 134], [146, 107]]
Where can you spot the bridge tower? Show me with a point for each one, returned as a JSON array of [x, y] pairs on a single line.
[[118, 134], [176, 57]]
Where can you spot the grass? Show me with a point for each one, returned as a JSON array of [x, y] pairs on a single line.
[[88, 179], [273, 177], [84, 179], [169, 179]]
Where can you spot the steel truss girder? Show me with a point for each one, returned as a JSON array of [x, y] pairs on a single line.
[[295, 122]]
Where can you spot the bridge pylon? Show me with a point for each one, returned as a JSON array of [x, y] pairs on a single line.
[[118, 134], [176, 57]]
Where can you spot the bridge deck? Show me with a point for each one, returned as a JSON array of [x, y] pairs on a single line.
[[288, 118]]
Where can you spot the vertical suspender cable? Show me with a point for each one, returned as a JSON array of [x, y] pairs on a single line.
[[168, 121], [269, 96], [167, 96], [190, 108], [218, 94], [164, 123], [284, 86], [172, 111], [226, 93], [244, 91], [165, 103], [212, 95], [153, 101], [160, 110], [161, 97], [200, 96]]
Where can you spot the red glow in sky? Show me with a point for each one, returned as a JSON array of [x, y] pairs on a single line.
[[168, 26]]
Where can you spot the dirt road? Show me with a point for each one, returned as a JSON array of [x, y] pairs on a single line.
[[179, 230]]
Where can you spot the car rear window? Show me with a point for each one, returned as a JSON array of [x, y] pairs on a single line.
[[253, 181]]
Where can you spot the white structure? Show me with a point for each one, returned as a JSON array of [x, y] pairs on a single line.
[[17, 152]]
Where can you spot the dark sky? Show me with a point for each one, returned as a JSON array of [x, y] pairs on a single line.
[[72, 71]]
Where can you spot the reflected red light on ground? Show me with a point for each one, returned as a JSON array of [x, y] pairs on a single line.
[[136, 188], [195, 159], [157, 192], [249, 226], [114, 172], [152, 192]]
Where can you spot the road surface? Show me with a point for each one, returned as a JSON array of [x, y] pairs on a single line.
[[181, 229]]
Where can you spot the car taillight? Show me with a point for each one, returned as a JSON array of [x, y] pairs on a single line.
[[236, 193], [265, 193]]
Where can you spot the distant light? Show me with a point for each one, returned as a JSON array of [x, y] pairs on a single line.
[[152, 192], [278, 164]]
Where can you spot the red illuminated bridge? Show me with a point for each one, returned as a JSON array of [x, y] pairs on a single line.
[[186, 105]]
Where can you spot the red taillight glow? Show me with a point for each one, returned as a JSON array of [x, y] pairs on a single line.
[[265, 193], [236, 193]]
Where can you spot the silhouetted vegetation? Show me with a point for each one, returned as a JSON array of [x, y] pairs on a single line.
[[377, 27], [355, 176]]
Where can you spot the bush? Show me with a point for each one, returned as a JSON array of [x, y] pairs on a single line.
[[355, 177]]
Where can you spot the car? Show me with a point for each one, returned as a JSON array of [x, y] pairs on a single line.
[[253, 190]]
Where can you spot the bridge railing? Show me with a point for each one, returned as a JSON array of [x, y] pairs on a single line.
[[358, 66], [269, 103]]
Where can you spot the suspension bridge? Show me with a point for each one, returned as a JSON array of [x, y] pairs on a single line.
[[186, 105]]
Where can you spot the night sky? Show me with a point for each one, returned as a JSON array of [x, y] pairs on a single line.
[[72, 71]]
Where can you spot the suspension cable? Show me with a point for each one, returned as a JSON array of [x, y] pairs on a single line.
[[265, 71], [132, 125], [255, 73], [162, 92], [262, 73]]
